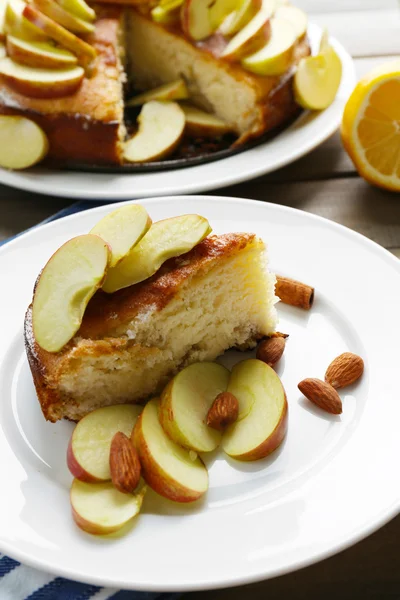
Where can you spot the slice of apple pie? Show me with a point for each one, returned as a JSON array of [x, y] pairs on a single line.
[[219, 295]]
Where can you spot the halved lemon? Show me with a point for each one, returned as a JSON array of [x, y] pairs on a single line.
[[371, 126]]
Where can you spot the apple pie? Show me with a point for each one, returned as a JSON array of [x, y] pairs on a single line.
[[217, 296]]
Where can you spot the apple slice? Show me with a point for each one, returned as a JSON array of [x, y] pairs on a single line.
[[276, 56], [263, 411], [54, 11], [88, 454], [100, 509], [42, 55], [161, 127], [79, 8], [317, 80], [64, 288], [202, 124], [166, 16], [195, 19], [16, 24], [122, 229], [165, 239], [253, 36], [166, 467], [85, 52], [41, 83], [176, 90], [239, 18], [186, 401], [220, 10], [22, 142], [296, 17]]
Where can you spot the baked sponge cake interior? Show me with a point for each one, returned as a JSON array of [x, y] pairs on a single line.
[[220, 295]]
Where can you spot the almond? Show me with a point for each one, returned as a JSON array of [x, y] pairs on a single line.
[[344, 370], [223, 412], [271, 350], [124, 464], [322, 394]]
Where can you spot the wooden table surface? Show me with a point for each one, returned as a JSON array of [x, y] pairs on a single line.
[[325, 183]]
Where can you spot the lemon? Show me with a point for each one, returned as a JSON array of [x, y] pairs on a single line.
[[371, 126]]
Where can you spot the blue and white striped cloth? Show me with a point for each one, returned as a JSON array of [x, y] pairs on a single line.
[[19, 582]]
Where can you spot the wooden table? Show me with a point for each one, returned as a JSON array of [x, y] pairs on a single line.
[[325, 183]]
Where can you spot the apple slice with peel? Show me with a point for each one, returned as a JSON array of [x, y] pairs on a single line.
[[84, 52], [263, 411], [220, 10], [195, 19], [161, 127], [41, 83], [79, 8], [317, 79], [239, 18], [100, 509], [186, 401], [42, 55], [88, 454], [295, 16], [165, 239], [253, 36], [276, 56], [122, 229], [64, 288], [22, 142], [176, 90], [16, 24], [202, 124], [54, 11], [166, 467]]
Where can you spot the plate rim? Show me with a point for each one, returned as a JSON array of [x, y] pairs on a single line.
[[35, 180], [354, 536]]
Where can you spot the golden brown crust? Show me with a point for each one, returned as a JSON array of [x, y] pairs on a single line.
[[84, 126], [108, 312]]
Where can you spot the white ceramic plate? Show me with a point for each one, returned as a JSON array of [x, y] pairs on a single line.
[[305, 134], [334, 480]]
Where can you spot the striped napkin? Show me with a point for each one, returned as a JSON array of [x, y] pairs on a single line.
[[18, 582]]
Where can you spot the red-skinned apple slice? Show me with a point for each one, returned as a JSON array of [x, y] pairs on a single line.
[[61, 16], [122, 229], [195, 19], [22, 142], [40, 55], [16, 24], [161, 127], [202, 124], [41, 83], [276, 56], [263, 411], [88, 454], [85, 52], [166, 467], [100, 509], [186, 401], [64, 288], [253, 36]]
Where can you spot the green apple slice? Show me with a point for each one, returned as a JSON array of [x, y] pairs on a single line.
[[276, 56], [262, 421], [186, 401], [166, 467], [22, 142], [165, 239], [176, 90], [239, 18], [63, 17], [220, 10], [42, 55], [65, 286], [296, 17], [100, 509], [201, 124], [79, 8], [16, 24], [317, 80], [122, 229], [88, 454]]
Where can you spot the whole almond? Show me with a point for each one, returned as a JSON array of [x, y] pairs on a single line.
[[223, 412], [322, 394], [271, 350], [344, 370], [124, 464]]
